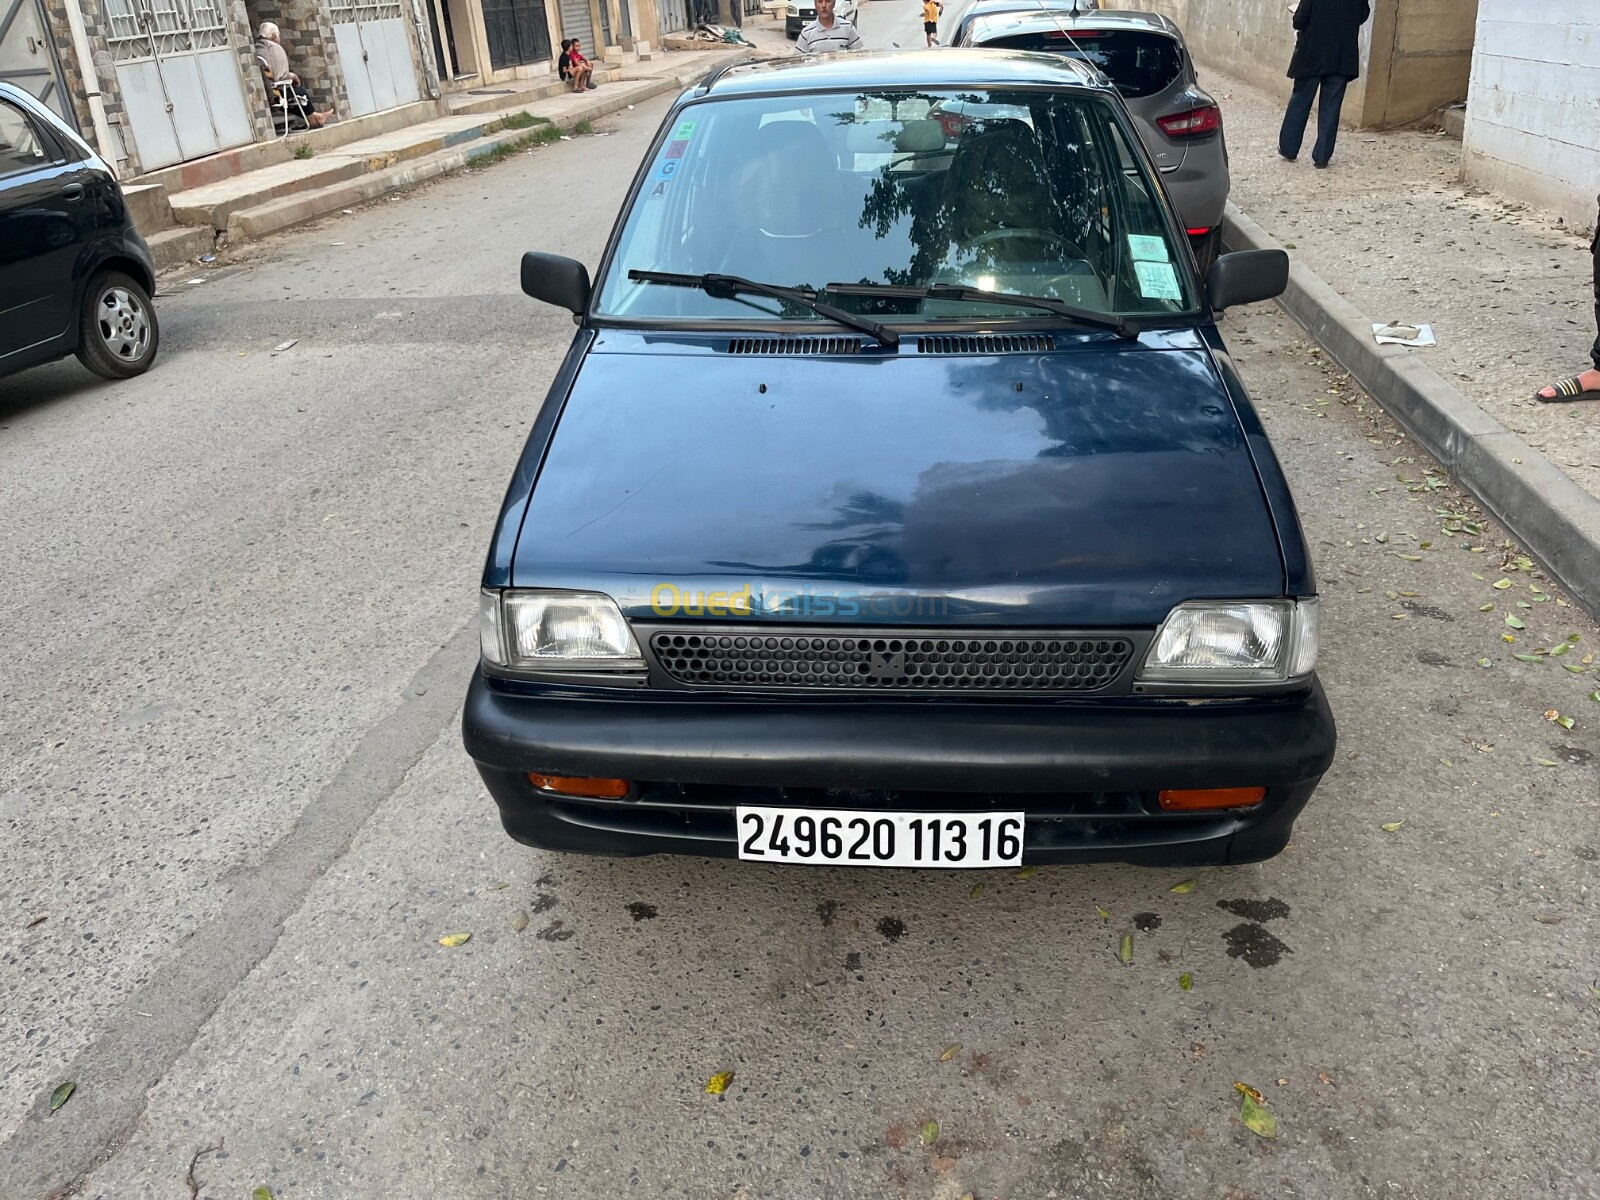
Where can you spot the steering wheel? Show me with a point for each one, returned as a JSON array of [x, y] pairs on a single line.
[[1030, 235]]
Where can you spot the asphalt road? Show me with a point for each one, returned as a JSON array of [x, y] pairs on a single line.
[[236, 596]]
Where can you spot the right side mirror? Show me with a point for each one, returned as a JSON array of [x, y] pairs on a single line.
[[1246, 277], [563, 282]]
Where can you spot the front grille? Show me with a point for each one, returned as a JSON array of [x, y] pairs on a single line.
[[995, 343], [794, 345], [946, 662]]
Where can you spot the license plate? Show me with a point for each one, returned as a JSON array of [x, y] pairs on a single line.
[[837, 837]]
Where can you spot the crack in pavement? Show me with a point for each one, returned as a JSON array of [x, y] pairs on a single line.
[[50, 1152]]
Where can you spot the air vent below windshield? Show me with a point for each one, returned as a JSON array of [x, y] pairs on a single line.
[[1022, 343], [795, 345]]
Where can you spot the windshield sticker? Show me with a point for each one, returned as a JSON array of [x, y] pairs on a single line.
[[1148, 249], [676, 148], [684, 131], [1157, 281], [660, 189], [668, 168]]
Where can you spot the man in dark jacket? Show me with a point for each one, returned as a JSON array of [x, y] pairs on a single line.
[[1327, 56]]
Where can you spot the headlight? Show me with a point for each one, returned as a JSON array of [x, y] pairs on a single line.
[[1210, 641], [537, 630]]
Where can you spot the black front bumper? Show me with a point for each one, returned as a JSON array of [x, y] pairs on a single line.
[[1086, 774]]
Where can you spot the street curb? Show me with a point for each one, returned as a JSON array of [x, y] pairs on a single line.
[[1555, 519], [245, 224]]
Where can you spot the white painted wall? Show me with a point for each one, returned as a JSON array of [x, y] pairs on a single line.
[[1533, 111]]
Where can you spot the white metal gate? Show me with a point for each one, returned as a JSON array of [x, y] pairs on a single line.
[[576, 22], [27, 55], [673, 15], [179, 78], [375, 53]]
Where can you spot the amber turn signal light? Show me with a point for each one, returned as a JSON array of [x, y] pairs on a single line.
[[576, 785], [1197, 799]]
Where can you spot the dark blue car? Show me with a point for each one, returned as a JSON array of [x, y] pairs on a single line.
[[898, 503]]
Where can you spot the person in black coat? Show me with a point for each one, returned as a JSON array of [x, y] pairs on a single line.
[[1327, 56]]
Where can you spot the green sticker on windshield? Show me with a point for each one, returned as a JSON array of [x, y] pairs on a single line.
[[1157, 281], [1145, 248]]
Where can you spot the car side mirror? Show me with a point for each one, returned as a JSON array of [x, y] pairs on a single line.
[[563, 282], [1246, 277]]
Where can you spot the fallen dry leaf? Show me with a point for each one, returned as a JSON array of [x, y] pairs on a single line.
[[1027, 872], [977, 890], [60, 1096], [519, 921], [1125, 952], [1547, 919], [1182, 889], [1391, 826], [718, 1083], [455, 939], [1257, 1119], [261, 1193], [1244, 1089], [1186, 981], [929, 1133], [1323, 1075], [950, 1051]]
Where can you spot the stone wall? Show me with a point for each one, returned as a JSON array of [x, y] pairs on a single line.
[[1533, 112], [1424, 61], [306, 31], [1415, 54]]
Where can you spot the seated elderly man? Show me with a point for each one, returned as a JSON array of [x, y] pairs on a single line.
[[269, 48]]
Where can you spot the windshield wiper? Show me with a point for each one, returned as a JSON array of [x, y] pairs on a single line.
[[1120, 326], [726, 287]]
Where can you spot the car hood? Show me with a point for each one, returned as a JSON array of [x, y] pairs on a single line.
[[1095, 485]]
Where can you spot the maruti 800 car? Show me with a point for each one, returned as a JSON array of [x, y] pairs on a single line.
[[897, 502]]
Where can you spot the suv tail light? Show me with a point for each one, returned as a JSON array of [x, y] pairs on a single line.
[[1192, 123]]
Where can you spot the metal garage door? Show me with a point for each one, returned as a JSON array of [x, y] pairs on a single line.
[[577, 23], [673, 15], [179, 78], [27, 55], [375, 54]]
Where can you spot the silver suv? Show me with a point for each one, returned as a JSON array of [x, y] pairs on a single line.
[[1144, 57]]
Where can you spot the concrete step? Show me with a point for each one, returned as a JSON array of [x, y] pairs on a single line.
[[513, 96], [284, 210], [213, 205], [147, 203], [215, 167], [171, 247]]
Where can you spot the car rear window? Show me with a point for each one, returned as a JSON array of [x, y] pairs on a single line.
[[1137, 63]]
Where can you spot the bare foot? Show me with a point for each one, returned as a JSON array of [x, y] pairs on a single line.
[[1590, 381], [318, 119]]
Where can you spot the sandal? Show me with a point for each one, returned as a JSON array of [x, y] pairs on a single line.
[[1566, 391]]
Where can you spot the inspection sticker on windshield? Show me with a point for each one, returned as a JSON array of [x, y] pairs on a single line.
[[1145, 248], [1157, 281]]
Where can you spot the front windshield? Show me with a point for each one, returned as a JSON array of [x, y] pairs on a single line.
[[1036, 193]]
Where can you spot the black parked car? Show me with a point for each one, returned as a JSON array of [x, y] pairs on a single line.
[[75, 276], [898, 502]]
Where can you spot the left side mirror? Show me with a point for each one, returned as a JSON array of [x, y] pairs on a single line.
[[1246, 277], [563, 282]]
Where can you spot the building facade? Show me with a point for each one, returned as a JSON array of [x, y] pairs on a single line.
[[157, 82], [1416, 55], [1532, 129], [153, 83]]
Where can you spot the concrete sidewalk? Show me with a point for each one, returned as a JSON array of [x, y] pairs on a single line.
[[1392, 232], [259, 189]]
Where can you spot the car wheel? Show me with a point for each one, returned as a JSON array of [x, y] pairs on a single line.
[[1206, 248], [117, 330]]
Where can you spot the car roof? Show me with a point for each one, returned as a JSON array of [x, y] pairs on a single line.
[[1054, 15], [875, 70]]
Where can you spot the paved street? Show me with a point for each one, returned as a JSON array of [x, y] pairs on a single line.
[[238, 596]]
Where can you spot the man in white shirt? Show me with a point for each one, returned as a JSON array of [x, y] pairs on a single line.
[[828, 34]]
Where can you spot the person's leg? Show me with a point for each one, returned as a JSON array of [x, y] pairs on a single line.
[[1587, 381], [1332, 100], [1295, 116], [1594, 249]]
